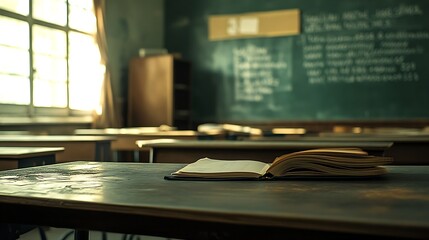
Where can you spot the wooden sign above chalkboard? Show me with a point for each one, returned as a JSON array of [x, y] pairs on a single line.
[[258, 24], [352, 61]]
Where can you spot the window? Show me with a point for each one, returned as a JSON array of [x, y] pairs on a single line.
[[49, 60]]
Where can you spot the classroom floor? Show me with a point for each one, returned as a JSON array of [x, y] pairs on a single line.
[[60, 233]]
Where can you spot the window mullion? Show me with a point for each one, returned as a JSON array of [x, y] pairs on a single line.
[[68, 57], [31, 109], [14, 15]]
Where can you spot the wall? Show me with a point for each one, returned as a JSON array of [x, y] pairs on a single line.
[[131, 25]]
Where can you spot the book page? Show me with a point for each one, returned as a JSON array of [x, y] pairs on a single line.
[[224, 168], [329, 162], [323, 151]]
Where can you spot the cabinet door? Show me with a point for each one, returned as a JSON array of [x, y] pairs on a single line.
[[150, 101]]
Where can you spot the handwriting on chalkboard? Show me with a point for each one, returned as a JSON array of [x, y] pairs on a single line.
[[255, 72], [362, 46]]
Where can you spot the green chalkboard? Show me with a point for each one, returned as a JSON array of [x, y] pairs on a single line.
[[358, 60]]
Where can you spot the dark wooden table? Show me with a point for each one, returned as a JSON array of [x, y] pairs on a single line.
[[187, 151], [134, 198]]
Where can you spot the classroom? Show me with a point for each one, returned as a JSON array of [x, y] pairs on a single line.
[[147, 119]]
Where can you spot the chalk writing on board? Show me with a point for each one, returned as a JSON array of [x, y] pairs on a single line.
[[256, 72], [366, 46]]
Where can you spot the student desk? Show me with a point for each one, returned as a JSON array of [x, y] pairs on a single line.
[[134, 198], [407, 149], [91, 148], [126, 137], [20, 157], [177, 151]]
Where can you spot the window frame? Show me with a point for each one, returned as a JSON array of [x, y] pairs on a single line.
[[31, 111]]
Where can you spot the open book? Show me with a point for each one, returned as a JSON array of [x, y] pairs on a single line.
[[326, 162]]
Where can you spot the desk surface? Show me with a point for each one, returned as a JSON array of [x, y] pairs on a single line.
[[130, 130], [54, 138], [92, 148], [135, 132], [348, 138], [19, 152], [187, 151], [168, 143], [126, 137], [134, 198], [19, 157]]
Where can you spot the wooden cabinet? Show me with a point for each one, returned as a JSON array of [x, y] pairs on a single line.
[[159, 92]]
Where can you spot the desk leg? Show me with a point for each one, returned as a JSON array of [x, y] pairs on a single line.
[[136, 155], [115, 156], [151, 155], [81, 235], [103, 152]]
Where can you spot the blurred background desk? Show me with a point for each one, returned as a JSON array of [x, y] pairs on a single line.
[[187, 151], [407, 149], [126, 138], [89, 148], [20, 157]]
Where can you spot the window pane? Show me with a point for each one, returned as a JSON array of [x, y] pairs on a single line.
[[14, 33], [49, 94], [85, 72], [14, 61], [49, 41], [82, 17], [79, 43], [85, 96], [17, 6], [14, 89], [53, 11], [50, 77], [50, 68]]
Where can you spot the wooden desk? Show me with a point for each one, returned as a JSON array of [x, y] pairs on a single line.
[[20, 157], [90, 148], [176, 151], [407, 149], [126, 138], [134, 198]]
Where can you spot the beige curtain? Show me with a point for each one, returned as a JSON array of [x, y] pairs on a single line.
[[110, 115]]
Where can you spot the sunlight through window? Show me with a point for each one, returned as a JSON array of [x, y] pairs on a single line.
[[63, 67], [50, 67], [14, 61], [17, 6], [53, 11], [86, 74]]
